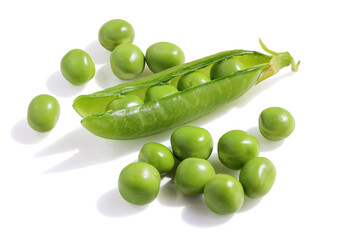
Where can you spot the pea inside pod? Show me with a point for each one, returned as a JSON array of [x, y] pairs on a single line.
[[159, 91], [124, 101], [183, 106], [226, 68], [192, 79]]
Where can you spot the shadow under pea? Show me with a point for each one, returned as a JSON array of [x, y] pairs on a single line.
[[112, 204], [265, 144], [195, 211], [99, 54], [60, 87], [249, 204], [23, 133], [88, 149]]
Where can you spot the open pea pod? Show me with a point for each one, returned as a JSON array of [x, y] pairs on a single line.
[[183, 106]]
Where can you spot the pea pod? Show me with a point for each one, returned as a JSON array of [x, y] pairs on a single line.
[[181, 107]]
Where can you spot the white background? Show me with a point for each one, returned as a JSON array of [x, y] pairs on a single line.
[[63, 185]]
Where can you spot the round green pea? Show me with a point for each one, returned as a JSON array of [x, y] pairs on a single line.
[[236, 147], [115, 32], [224, 194], [43, 113], [164, 55], [192, 79], [139, 183], [192, 174], [77, 67], [225, 68], [127, 61], [159, 91], [191, 142], [158, 156], [124, 101], [276, 123], [257, 177]]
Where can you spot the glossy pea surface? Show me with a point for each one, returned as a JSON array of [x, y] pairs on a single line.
[[257, 177], [139, 183], [115, 32], [225, 68], [192, 174], [191, 142], [159, 91], [43, 113], [158, 156], [192, 79], [224, 194], [124, 101], [163, 55], [236, 147], [127, 61], [77, 67], [276, 123]]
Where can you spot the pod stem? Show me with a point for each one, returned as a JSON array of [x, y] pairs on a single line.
[[266, 49], [279, 60]]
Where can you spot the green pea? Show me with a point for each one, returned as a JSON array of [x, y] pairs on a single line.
[[257, 177], [192, 174], [139, 183], [43, 113], [225, 68], [236, 147], [191, 142], [159, 91], [115, 32], [124, 101], [158, 156], [191, 80], [77, 67], [224, 194], [276, 123], [127, 61], [164, 55]]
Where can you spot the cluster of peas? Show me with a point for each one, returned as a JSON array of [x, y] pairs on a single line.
[[139, 182], [127, 62]]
